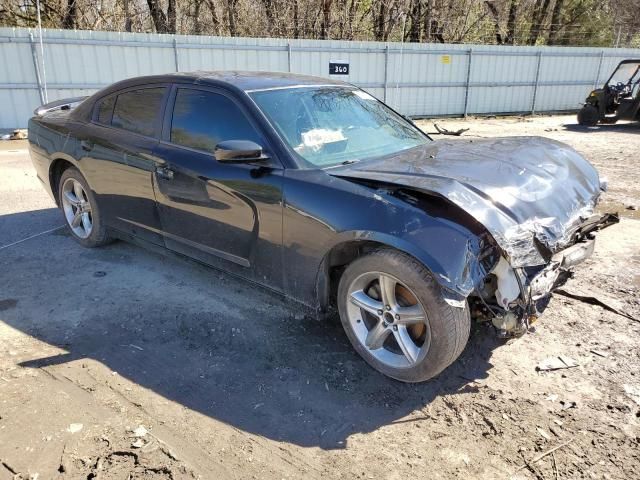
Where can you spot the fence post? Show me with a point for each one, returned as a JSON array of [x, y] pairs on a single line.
[[468, 83], [289, 55], [535, 86], [386, 72], [596, 82], [175, 54], [36, 67]]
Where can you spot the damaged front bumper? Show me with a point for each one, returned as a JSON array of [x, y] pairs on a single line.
[[522, 294]]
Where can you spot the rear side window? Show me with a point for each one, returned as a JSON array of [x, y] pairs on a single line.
[[138, 110], [202, 119], [105, 109]]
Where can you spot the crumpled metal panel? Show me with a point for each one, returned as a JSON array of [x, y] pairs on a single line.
[[519, 188]]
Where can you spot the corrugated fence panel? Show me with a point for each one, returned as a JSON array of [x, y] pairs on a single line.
[[415, 79], [501, 83], [411, 71], [414, 101]]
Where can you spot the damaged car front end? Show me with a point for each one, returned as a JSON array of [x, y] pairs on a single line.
[[513, 298], [531, 202]]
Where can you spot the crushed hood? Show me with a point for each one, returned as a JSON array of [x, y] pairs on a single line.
[[523, 190]]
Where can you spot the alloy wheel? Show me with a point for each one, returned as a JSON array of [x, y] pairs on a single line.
[[77, 208], [388, 319]]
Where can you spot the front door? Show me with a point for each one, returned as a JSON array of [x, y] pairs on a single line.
[[226, 215]]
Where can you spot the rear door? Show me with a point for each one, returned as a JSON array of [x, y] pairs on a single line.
[[117, 158], [224, 214]]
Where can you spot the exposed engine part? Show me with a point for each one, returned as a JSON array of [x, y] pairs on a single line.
[[513, 298], [544, 281], [508, 286], [507, 321]]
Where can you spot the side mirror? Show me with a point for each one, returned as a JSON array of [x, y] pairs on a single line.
[[238, 151]]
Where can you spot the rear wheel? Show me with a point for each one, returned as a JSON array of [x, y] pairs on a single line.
[[588, 116], [80, 209], [396, 318]]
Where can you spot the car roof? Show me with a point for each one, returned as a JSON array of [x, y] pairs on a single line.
[[243, 80]]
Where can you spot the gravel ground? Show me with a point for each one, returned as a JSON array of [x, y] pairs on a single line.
[[122, 363]]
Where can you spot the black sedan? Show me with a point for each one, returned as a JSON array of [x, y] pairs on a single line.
[[316, 190]]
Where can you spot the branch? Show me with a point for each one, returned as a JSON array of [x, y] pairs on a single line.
[[544, 454]]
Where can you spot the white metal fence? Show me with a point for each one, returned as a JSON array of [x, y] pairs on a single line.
[[416, 79]]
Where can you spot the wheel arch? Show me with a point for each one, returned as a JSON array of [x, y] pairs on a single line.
[[342, 253], [59, 164]]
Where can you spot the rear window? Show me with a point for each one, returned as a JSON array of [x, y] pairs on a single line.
[[137, 111]]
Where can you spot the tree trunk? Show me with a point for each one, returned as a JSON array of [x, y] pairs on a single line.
[[296, 26], [428, 20], [540, 13], [70, 15], [127, 17], [326, 19], [171, 16], [416, 21], [380, 19], [496, 21], [353, 8], [215, 21], [556, 20], [231, 15], [158, 16], [197, 25], [272, 21], [511, 23]]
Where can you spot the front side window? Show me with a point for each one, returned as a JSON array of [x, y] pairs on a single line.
[[328, 126], [203, 119], [138, 110]]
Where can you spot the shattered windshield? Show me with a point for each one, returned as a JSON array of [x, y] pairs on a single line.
[[624, 73], [328, 126]]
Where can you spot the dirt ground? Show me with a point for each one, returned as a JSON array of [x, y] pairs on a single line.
[[119, 363]]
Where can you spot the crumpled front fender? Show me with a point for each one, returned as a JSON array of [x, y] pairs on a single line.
[[457, 258]]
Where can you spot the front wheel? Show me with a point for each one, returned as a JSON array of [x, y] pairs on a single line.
[[588, 116], [397, 319]]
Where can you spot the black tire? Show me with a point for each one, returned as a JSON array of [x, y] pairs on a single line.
[[449, 326], [98, 235], [588, 116]]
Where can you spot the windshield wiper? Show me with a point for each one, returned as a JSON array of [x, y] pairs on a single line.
[[337, 165]]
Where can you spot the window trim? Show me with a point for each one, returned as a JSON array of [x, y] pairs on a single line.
[[96, 109], [158, 122], [165, 136]]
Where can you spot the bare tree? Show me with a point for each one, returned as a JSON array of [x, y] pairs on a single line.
[[69, 19], [231, 16], [163, 23], [495, 14], [538, 17], [510, 37], [508, 22], [416, 16]]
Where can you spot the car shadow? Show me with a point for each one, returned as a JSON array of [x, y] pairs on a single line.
[[14, 228], [623, 127], [214, 344]]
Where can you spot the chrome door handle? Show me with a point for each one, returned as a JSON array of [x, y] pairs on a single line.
[[164, 172]]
